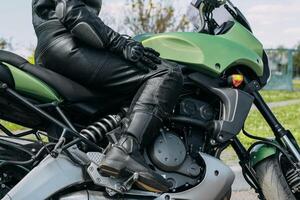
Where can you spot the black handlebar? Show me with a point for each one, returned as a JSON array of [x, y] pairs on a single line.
[[211, 4]]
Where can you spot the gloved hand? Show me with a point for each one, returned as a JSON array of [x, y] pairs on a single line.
[[144, 57]]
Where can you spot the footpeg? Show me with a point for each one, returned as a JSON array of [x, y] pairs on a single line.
[[112, 185]]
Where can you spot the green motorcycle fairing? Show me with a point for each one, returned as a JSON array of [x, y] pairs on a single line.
[[214, 54], [32, 87], [210, 54]]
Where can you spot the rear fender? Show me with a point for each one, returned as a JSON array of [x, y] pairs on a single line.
[[31, 86]]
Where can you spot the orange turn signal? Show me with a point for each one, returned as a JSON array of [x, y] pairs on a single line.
[[237, 80]]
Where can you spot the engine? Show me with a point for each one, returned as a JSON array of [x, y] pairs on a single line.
[[196, 109], [175, 152]]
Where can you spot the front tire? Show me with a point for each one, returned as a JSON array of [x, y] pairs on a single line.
[[272, 180]]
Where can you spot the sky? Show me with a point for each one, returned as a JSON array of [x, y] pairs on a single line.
[[274, 22]]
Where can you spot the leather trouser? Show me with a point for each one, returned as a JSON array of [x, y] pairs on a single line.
[[109, 74], [155, 95]]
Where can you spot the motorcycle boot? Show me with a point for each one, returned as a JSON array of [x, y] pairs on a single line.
[[151, 105], [125, 158]]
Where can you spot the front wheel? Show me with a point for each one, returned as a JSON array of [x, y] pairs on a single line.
[[272, 180]]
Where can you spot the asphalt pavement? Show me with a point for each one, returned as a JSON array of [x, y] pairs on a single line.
[[244, 195], [241, 189]]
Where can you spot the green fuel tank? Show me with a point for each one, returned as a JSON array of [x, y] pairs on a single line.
[[211, 54]]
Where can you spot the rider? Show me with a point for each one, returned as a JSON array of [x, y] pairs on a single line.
[[74, 41]]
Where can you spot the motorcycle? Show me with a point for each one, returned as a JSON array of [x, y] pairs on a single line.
[[224, 66]]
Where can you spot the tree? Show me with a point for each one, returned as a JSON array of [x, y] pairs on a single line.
[[3, 43], [279, 59], [296, 61], [152, 16], [6, 44]]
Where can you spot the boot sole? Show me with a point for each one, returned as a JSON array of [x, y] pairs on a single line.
[[112, 171]]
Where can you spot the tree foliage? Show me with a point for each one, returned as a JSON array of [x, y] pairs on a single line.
[[152, 16], [6, 43], [297, 60], [3, 43]]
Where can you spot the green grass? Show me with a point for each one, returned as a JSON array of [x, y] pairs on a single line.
[[277, 96], [11, 126], [289, 116], [297, 84]]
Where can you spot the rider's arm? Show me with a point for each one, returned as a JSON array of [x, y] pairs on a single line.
[[87, 26]]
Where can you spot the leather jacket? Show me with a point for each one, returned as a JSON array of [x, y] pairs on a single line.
[[58, 21]]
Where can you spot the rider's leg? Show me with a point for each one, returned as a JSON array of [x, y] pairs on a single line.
[[114, 77], [154, 101]]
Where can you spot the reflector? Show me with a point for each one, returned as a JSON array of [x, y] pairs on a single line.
[[237, 80]]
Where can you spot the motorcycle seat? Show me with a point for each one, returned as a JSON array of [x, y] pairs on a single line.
[[68, 89]]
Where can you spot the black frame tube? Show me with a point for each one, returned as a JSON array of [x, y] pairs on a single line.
[[6, 131], [248, 172], [60, 112], [45, 115]]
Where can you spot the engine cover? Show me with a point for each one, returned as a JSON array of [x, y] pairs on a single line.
[[197, 109], [168, 152]]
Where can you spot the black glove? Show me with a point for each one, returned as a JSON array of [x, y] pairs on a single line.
[[144, 57]]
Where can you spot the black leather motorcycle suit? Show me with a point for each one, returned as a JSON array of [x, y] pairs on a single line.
[[96, 65], [74, 41]]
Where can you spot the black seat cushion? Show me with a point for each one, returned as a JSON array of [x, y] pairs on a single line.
[[68, 89]]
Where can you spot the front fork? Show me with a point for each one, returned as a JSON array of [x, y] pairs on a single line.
[[259, 152], [281, 134]]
